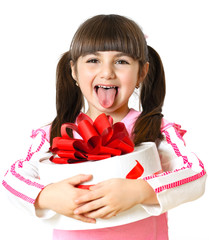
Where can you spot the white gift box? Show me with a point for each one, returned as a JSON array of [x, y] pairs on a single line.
[[115, 167]]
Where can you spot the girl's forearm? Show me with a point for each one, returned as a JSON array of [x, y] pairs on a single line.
[[146, 194], [40, 203]]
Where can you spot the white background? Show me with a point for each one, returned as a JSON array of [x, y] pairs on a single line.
[[33, 36]]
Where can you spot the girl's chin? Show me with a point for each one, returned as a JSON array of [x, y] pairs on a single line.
[[115, 108]]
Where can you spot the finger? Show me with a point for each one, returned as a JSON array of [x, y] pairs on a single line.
[[89, 207], [95, 187], [100, 213], [78, 179], [84, 218], [89, 196], [110, 215]]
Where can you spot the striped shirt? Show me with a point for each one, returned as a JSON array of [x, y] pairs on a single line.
[[183, 179]]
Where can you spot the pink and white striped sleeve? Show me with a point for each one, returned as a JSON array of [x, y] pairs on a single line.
[[183, 178], [22, 179]]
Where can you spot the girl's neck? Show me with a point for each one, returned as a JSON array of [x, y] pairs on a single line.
[[117, 115]]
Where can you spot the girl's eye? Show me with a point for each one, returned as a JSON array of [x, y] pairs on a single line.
[[122, 62], [93, 60]]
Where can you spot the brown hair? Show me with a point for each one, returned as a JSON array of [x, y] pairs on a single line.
[[112, 33]]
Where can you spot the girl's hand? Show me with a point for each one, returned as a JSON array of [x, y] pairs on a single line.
[[60, 197], [113, 196]]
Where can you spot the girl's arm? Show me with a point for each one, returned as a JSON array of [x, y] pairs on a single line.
[[183, 180], [60, 197], [22, 179], [28, 192], [184, 175]]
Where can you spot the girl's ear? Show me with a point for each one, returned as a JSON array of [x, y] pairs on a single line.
[[143, 73], [72, 65]]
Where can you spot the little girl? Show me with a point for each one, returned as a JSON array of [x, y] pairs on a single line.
[[107, 60]]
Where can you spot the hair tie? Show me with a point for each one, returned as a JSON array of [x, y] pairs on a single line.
[[158, 114]]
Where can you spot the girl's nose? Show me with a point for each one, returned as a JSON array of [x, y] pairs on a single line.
[[107, 71]]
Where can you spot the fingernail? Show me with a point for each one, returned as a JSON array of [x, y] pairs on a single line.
[[92, 221], [91, 187], [76, 212]]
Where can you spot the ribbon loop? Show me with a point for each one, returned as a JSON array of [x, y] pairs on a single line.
[[104, 127], [100, 139], [87, 131]]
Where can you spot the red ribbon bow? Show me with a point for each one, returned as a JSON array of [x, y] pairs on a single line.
[[100, 139]]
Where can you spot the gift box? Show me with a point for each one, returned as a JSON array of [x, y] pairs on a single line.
[[139, 162]]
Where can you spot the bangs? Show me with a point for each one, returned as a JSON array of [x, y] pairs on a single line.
[[109, 33]]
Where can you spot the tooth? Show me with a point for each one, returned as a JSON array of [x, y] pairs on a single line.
[[105, 87]]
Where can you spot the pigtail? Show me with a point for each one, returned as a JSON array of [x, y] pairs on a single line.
[[69, 99], [148, 125]]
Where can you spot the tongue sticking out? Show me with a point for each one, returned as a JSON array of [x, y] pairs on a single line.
[[106, 96]]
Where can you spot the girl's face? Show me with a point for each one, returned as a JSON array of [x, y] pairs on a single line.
[[107, 79]]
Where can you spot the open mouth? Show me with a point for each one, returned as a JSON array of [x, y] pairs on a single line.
[[106, 94], [106, 87]]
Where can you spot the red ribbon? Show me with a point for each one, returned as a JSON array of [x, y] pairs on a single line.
[[135, 173], [100, 139]]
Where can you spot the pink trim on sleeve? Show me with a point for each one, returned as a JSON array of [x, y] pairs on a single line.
[[45, 131], [188, 165], [17, 194], [180, 182], [176, 149], [25, 179], [30, 154], [179, 132], [28, 157]]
